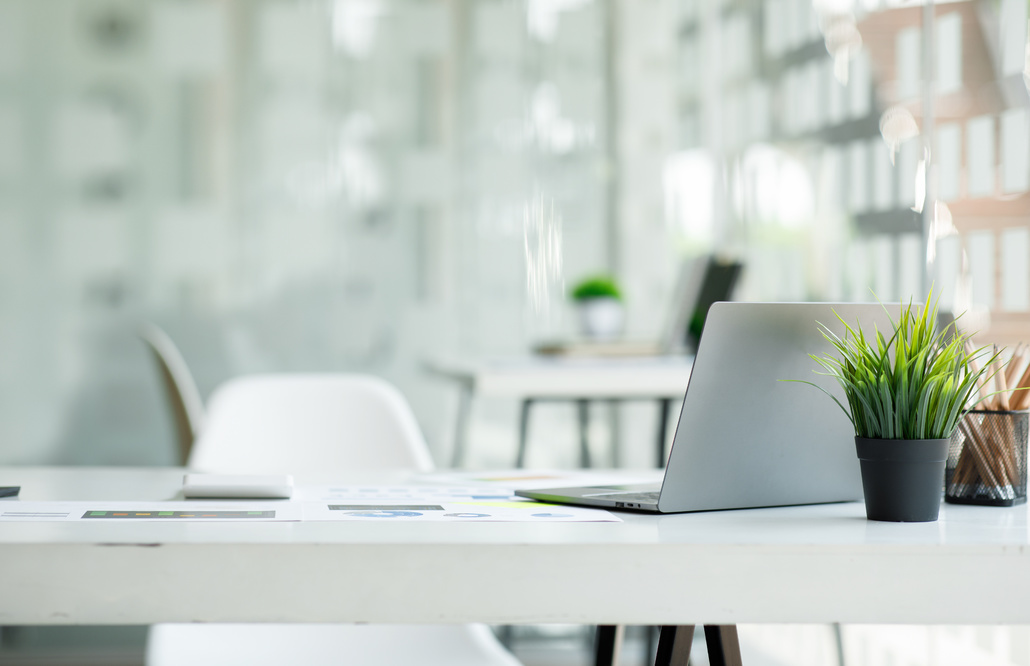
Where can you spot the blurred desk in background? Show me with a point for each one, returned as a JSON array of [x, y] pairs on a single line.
[[580, 380]]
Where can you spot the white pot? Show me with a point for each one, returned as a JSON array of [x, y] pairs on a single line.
[[601, 318]]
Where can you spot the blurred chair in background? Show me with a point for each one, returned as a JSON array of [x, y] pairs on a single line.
[[315, 424], [309, 423], [180, 389]]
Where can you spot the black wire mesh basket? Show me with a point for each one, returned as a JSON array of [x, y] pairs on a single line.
[[987, 459]]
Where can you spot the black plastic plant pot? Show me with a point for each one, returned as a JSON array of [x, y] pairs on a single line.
[[903, 479]]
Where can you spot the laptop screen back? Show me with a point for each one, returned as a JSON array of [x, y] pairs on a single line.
[[745, 437], [702, 281]]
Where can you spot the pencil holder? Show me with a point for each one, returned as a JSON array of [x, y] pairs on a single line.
[[987, 459]]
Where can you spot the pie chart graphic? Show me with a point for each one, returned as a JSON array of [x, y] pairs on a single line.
[[384, 514], [552, 515], [467, 515]]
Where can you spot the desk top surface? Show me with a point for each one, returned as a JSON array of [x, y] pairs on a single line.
[[841, 524], [790, 564], [558, 377]]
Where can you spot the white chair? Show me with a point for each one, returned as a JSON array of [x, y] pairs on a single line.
[[313, 424], [184, 401]]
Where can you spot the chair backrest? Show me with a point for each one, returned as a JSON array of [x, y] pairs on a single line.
[[181, 391], [309, 423]]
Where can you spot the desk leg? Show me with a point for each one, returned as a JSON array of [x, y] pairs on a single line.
[[583, 407], [461, 425], [674, 645], [665, 405], [723, 646], [615, 431], [520, 456], [608, 644]]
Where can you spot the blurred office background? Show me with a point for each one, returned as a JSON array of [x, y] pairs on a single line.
[[359, 185]]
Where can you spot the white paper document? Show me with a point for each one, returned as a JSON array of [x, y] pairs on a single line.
[[436, 504], [206, 511], [321, 503]]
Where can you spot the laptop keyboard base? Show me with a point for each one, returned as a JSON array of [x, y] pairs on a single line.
[[646, 498]]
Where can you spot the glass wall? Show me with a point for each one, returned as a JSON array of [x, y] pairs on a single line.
[[861, 148], [283, 186], [359, 185]]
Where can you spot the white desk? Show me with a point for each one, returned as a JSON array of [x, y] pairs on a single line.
[[543, 378], [804, 564]]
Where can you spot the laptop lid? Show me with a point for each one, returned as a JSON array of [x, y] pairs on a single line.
[[745, 438], [702, 281]]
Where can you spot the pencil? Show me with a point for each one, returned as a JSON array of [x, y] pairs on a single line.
[[1002, 399]]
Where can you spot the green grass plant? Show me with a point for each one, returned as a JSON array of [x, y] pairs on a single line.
[[597, 286], [916, 384]]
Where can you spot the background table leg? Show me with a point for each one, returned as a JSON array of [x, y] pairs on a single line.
[[583, 407], [723, 646], [461, 425], [674, 645], [520, 456], [615, 431], [608, 643]]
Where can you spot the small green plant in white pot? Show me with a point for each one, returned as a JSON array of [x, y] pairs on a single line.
[[906, 392], [599, 302]]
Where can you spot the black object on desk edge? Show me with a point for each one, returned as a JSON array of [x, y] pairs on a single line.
[[9, 491]]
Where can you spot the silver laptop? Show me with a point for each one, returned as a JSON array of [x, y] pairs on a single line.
[[745, 438]]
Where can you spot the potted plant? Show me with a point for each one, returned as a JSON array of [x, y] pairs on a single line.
[[599, 302], [905, 397]]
